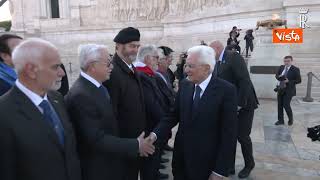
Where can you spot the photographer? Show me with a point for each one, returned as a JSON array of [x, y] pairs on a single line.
[[179, 73], [233, 42], [236, 31], [288, 76], [249, 41]]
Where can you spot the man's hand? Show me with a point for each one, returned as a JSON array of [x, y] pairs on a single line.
[[286, 80], [152, 137], [215, 177], [146, 146]]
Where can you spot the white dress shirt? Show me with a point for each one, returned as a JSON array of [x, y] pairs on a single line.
[[91, 79], [203, 85], [284, 70], [35, 98]]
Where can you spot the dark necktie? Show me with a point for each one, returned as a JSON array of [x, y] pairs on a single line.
[[104, 92], [196, 98], [52, 118]]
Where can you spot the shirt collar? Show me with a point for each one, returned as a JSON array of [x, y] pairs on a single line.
[[91, 79], [129, 65], [221, 55], [35, 98], [139, 64], [203, 85]]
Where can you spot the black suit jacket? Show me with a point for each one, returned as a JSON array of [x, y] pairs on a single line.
[[101, 150], [234, 70], [294, 78], [30, 149], [127, 99], [153, 99], [205, 139]]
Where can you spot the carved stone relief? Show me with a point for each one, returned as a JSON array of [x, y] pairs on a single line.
[[128, 10]]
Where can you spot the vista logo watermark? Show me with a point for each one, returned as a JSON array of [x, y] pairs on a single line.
[[290, 35]]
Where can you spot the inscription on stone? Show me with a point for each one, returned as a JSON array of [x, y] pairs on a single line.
[[264, 69]]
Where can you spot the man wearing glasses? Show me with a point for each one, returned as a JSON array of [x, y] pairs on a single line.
[[102, 151]]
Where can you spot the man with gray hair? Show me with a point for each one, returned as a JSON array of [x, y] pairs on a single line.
[[36, 138], [101, 149], [147, 66], [206, 111]]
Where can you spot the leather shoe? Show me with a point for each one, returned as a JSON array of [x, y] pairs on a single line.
[[164, 160], [278, 123], [290, 123], [245, 172]]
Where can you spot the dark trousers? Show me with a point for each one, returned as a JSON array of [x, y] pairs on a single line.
[[245, 118], [150, 170], [249, 45], [148, 167], [284, 101], [133, 166]]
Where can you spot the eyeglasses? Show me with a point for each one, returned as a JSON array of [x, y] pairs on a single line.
[[191, 66], [108, 63], [157, 57]]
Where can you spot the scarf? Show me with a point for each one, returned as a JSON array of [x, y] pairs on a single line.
[[7, 74]]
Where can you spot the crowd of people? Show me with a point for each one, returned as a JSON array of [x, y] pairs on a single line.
[[116, 119]]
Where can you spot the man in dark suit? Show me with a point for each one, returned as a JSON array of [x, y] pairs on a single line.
[[7, 74], [288, 76], [102, 152], [206, 111], [36, 137], [147, 64], [232, 68], [126, 92]]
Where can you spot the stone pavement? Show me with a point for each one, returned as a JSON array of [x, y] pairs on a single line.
[[281, 152]]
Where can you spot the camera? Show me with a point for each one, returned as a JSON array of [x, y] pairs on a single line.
[[183, 55]]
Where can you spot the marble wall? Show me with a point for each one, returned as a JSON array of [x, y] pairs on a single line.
[[177, 23]]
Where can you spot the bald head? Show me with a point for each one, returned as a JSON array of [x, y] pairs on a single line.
[[38, 65], [33, 50], [218, 48]]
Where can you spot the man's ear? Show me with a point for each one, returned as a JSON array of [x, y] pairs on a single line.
[[31, 70]]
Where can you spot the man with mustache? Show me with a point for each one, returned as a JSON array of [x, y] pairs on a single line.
[[126, 94], [36, 138]]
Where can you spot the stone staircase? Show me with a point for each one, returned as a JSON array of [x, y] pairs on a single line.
[[310, 64]]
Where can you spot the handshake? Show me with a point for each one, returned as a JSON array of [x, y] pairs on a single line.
[[146, 146]]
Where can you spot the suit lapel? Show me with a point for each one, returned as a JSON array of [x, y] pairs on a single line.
[[61, 112], [123, 66], [32, 113], [209, 92], [187, 102]]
